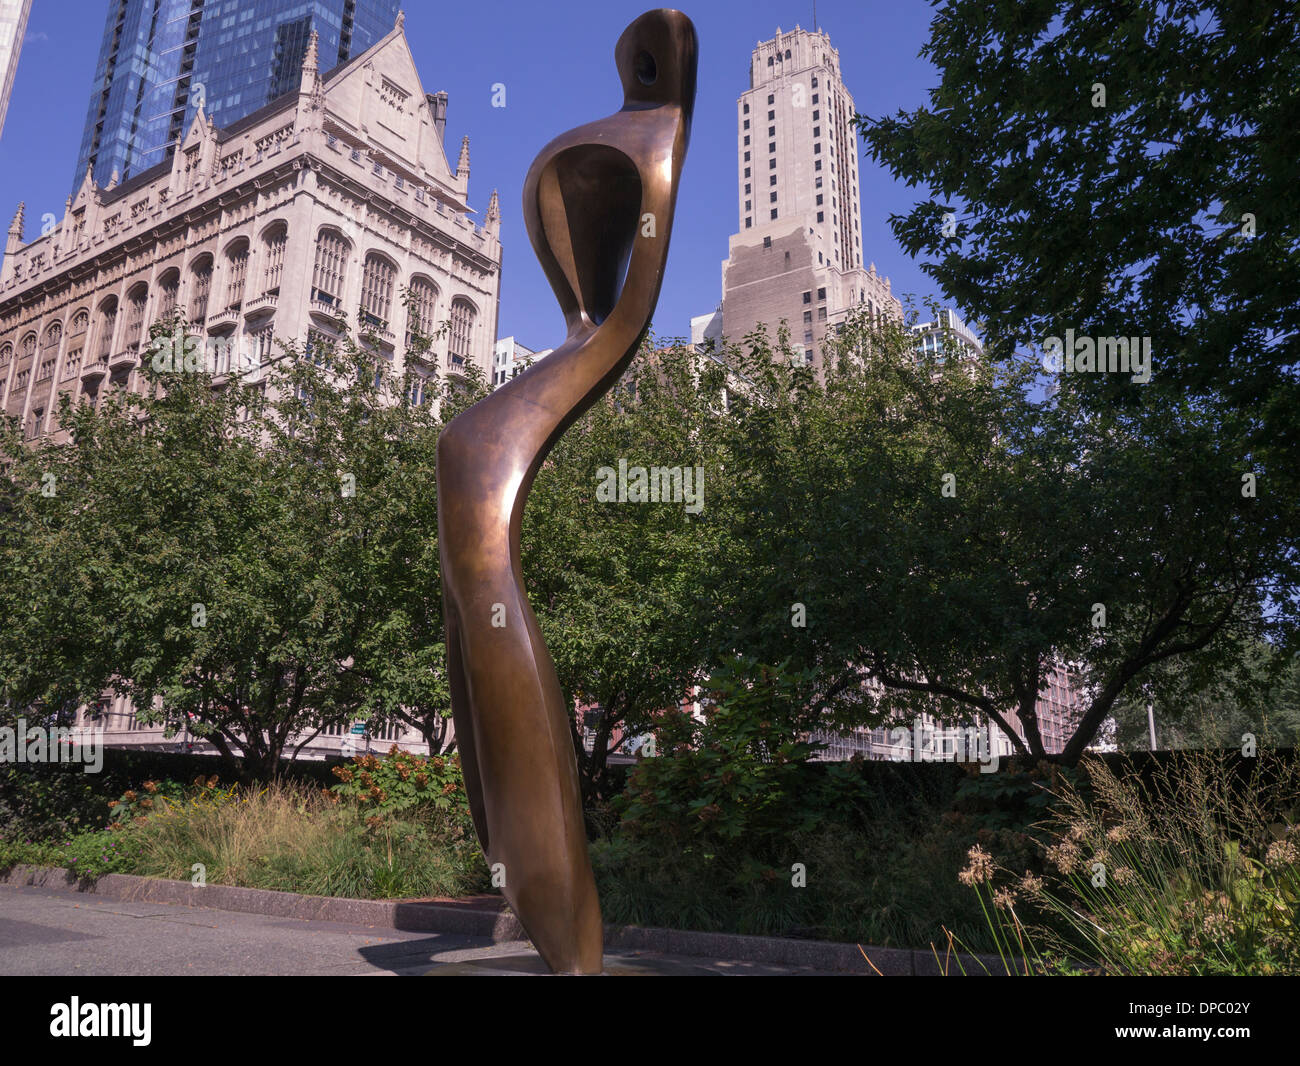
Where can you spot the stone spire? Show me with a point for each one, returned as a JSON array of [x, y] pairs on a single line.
[[15, 239], [493, 222], [311, 63], [400, 24], [462, 167]]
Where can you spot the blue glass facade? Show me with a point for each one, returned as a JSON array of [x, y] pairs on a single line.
[[161, 59]]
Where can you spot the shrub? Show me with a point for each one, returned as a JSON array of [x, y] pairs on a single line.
[[401, 781]]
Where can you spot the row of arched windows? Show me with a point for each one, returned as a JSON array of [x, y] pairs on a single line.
[[329, 276], [378, 292]]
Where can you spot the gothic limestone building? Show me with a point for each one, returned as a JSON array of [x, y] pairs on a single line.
[[334, 197]]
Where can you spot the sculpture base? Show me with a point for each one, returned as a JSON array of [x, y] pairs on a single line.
[[531, 965]]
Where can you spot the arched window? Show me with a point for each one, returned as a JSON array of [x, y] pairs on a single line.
[[6, 354], [276, 238], [76, 343], [53, 337], [135, 301], [200, 288], [377, 288], [237, 263], [28, 346], [331, 267], [169, 286], [107, 320], [462, 330], [423, 308], [50, 350]]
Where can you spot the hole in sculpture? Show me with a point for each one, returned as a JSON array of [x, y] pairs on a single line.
[[646, 71]]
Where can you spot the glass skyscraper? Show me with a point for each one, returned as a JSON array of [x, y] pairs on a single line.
[[161, 59]]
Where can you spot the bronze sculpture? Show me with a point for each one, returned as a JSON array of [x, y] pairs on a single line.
[[598, 201]]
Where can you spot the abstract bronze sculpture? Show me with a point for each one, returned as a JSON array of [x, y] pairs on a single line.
[[598, 203]]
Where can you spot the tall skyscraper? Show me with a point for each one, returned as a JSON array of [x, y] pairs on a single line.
[[161, 60], [13, 25], [797, 255]]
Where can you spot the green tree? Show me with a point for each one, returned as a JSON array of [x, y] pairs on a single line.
[[944, 537], [1126, 168], [621, 588], [262, 558]]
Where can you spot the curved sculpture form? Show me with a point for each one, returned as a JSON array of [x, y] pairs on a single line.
[[598, 203]]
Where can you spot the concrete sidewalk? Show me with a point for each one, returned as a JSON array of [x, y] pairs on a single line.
[[48, 931], [484, 922]]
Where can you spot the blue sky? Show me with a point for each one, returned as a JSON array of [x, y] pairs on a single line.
[[556, 61]]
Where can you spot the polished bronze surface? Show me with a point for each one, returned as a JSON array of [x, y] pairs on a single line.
[[598, 203]]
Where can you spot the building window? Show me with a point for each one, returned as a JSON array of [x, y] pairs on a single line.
[[807, 316], [747, 168], [749, 206], [821, 314], [746, 190], [237, 267], [377, 280], [746, 126], [748, 223], [747, 109], [771, 116], [819, 183], [771, 147], [135, 301], [774, 212], [771, 98], [419, 387], [771, 164], [423, 307], [817, 165], [746, 140], [50, 349], [820, 198], [816, 115], [200, 288], [276, 240], [462, 326], [821, 216], [767, 242], [817, 148], [169, 286], [821, 294], [817, 131], [771, 199], [807, 297], [330, 268], [771, 179], [107, 320], [771, 131]]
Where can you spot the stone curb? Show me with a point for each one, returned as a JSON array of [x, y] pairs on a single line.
[[486, 916]]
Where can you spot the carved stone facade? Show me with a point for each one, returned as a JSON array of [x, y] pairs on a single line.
[[333, 198]]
